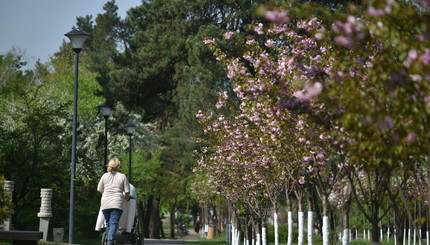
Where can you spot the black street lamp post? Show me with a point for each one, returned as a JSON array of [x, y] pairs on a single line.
[[130, 130], [106, 113], [77, 38]]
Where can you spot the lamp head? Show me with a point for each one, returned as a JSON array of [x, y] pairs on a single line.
[[131, 127], [106, 109], [77, 38]]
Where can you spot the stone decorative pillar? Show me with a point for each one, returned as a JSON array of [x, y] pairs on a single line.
[[45, 211], [8, 188]]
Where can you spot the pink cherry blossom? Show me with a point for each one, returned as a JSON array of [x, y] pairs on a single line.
[[411, 137], [375, 12], [343, 41], [425, 57], [228, 35], [208, 41], [259, 29], [278, 17], [302, 180]]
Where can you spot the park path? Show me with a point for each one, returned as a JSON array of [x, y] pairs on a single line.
[[192, 235]]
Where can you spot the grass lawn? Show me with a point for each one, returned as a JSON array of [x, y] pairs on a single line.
[[203, 241]]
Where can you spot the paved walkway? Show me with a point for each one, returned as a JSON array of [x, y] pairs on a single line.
[[192, 235]]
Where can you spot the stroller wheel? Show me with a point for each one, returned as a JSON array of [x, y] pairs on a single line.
[[139, 240], [104, 240]]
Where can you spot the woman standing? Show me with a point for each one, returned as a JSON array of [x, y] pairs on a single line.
[[112, 186]]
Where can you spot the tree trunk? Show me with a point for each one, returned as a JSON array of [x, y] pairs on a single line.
[[264, 234], [172, 220], [290, 228], [155, 221], [249, 233], [428, 197], [310, 223], [375, 233], [141, 217], [300, 218], [290, 221], [258, 233], [147, 217], [346, 209], [301, 227], [326, 225], [275, 222]]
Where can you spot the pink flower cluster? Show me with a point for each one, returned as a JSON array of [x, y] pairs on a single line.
[[348, 32], [276, 16]]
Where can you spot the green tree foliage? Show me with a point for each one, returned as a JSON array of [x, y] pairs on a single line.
[[164, 53], [35, 144], [12, 78], [33, 129]]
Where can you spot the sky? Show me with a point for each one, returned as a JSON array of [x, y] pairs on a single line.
[[36, 28]]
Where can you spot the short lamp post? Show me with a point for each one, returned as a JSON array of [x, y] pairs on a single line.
[[106, 113], [77, 38], [130, 130]]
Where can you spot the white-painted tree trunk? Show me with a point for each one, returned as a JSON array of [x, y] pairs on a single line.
[[264, 235], [290, 228], [414, 236], [388, 234], [232, 235], [368, 235], [427, 237], [276, 227], [364, 234], [326, 231], [310, 228], [409, 236], [301, 227], [395, 236], [404, 236], [419, 237], [381, 235], [228, 233], [235, 234], [345, 237]]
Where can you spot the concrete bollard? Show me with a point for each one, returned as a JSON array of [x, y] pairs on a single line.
[[45, 211]]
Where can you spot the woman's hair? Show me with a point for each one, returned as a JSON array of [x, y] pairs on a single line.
[[114, 165]]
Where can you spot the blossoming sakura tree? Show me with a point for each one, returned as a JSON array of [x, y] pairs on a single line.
[[273, 138], [319, 94]]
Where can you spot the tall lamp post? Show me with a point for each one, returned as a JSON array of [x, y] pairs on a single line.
[[77, 38], [130, 130], [106, 113]]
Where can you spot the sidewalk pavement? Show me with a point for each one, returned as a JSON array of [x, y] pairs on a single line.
[[192, 236]]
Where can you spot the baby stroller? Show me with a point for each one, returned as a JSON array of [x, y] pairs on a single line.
[[128, 228]]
